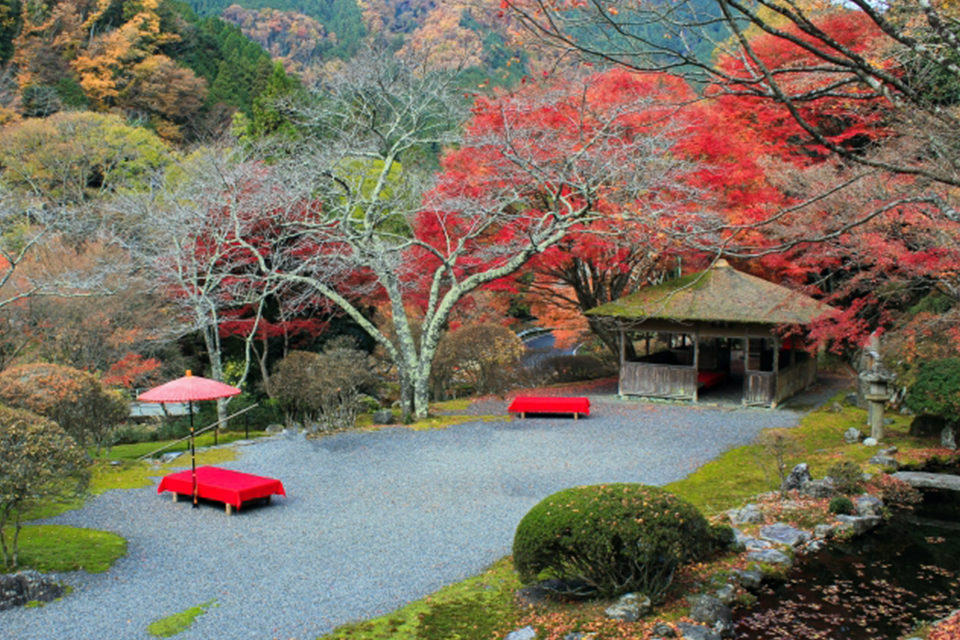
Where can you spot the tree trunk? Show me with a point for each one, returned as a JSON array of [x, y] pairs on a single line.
[[611, 339], [421, 397], [212, 340]]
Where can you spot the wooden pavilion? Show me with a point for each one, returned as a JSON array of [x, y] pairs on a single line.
[[711, 330]]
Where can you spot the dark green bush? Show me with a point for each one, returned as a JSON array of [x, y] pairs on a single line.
[[936, 390], [847, 477], [574, 368], [841, 505], [722, 536], [611, 538]]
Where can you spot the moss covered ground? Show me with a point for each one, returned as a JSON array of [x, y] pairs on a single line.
[[178, 622], [484, 607], [61, 548], [65, 548]]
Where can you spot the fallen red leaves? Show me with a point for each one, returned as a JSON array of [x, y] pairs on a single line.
[[949, 629]]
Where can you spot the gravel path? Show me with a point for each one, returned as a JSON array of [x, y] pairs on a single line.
[[372, 520]]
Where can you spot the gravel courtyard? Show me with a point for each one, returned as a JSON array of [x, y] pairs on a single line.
[[372, 520]]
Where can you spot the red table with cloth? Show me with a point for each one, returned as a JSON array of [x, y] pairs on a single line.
[[548, 404], [233, 488]]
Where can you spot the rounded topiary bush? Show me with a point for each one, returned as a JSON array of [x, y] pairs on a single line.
[[611, 539], [936, 390], [841, 505]]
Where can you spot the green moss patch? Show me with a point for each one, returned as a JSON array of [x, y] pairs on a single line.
[[178, 622], [61, 548], [478, 607], [134, 451], [741, 473]]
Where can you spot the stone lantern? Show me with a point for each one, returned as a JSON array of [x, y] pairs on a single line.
[[876, 393]]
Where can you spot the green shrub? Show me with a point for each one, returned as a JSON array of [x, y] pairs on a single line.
[[841, 505], [847, 477], [722, 536], [131, 433], [322, 389], [936, 390], [573, 368], [611, 538], [480, 358]]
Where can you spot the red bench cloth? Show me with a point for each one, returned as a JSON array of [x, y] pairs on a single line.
[[222, 485], [710, 378], [546, 404]]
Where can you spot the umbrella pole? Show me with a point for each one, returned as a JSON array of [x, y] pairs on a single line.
[[193, 457]]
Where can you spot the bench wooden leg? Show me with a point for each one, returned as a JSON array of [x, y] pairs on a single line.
[[576, 415], [176, 496], [229, 508], [523, 415]]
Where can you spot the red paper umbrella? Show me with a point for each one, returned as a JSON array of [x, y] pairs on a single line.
[[189, 389]]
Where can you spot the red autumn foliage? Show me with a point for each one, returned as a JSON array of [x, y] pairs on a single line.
[[132, 370]]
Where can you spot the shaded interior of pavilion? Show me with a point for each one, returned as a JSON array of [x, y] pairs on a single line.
[[715, 335], [713, 366]]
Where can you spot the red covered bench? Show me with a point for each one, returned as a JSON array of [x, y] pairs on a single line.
[[233, 488], [543, 404], [707, 379]]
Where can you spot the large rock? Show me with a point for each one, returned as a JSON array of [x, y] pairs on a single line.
[[868, 505], [870, 442], [697, 632], [755, 544], [713, 613], [781, 533], [823, 488], [383, 416], [927, 480], [749, 579], [17, 589], [726, 594], [798, 478], [858, 524], [629, 608], [748, 514], [927, 426], [885, 461], [663, 630], [527, 633], [770, 556], [852, 435]]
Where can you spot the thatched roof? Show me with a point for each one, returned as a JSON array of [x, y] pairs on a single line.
[[719, 294]]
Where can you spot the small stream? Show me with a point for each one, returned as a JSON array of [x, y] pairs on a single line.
[[877, 587]]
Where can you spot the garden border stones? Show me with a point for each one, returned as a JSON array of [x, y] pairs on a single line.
[[17, 589]]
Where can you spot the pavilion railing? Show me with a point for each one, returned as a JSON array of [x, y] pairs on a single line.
[[658, 380], [796, 378]]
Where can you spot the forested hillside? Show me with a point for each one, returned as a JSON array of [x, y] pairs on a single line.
[[308, 34], [154, 62]]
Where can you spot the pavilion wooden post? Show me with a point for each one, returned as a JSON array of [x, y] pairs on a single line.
[[776, 371], [696, 363], [746, 368], [623, 357]]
